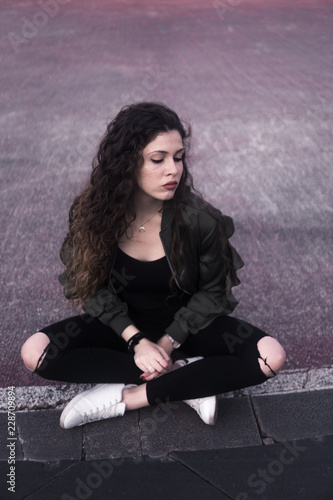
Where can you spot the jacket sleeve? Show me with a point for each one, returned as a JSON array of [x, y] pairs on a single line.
[[109, 309], [104, 305], [213, 297]]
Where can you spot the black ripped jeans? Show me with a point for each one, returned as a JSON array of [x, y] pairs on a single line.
[[83, 350]]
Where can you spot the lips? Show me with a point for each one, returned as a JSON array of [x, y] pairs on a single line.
[[170, 184]]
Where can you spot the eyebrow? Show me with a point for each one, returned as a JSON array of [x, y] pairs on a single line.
[[166, 152]]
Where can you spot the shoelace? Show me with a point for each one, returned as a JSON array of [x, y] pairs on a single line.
[[100, 414]]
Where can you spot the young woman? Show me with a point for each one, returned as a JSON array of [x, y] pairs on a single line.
[[150, 263]]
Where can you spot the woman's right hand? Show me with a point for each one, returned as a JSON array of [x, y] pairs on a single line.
[[152, 359]]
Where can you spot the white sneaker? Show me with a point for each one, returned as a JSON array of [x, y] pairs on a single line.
[[207, 407], [98, 403], [187, 361]]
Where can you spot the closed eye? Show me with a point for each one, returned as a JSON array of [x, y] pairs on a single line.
[[160, 161]]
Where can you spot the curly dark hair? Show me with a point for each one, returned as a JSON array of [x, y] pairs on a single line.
[[103, 212]]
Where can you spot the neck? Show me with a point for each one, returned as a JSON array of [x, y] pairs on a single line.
[[145, 205]]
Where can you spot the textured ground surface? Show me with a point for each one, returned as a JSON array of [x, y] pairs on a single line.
[[255, 80], [277, 446]]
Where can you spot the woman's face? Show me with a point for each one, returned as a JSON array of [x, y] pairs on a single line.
[[162, 169]]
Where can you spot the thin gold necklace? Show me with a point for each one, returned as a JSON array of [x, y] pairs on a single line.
[[142, 228]]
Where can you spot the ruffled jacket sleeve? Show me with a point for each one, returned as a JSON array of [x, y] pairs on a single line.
[[213, 296]]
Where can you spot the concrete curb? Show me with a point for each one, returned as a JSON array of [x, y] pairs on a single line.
[[57, 396]]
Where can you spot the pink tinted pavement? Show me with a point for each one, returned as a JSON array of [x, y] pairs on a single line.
[[255, 80]]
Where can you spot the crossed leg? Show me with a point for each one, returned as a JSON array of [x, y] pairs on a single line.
[[271, 359]]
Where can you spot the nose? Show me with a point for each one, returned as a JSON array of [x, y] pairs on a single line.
[[173, 166]]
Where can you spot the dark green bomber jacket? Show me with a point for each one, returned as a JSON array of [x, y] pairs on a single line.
[[203, 278]]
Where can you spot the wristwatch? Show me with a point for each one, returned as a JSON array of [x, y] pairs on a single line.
[[174, 342]]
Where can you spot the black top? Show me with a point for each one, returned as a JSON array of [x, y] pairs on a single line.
[[144, 286]]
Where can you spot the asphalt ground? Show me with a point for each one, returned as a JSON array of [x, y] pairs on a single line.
[[255, 80]]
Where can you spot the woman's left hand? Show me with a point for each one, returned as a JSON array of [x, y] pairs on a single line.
[[152, 359], [166, 345]]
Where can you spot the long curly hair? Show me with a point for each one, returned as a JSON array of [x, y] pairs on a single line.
[[103, 212]]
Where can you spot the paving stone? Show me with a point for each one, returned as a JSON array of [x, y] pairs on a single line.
[[176, 426], [295, 416], [43, 439], [296, 470], [30, 477], [320, 378], [113, 438], [285, 381], [41, 397], [146, 479]]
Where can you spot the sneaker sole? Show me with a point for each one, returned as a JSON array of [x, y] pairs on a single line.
[[213, 420]]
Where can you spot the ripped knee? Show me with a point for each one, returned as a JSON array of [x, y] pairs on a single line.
[[41, 357], [272, 356], [34, 351]]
